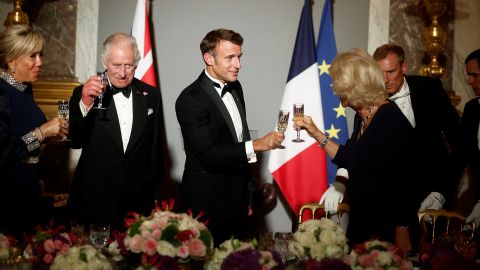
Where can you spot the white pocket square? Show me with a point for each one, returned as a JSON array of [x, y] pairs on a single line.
[[150, 111]]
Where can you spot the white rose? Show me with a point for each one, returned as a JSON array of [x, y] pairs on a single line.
[[317, 251], [296, 249], [306, 239], [327, 224], [334, 252], [310, 225], [166, 249], [113, 248], [384, 258], [328, 238]]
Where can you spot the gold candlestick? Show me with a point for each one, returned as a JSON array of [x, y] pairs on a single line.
[[434, 38], [17, 16]]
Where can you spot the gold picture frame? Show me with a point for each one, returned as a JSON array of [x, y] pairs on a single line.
[[48, 93]]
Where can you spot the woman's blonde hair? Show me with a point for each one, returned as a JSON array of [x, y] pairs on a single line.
[[357, 78], [18, 40]]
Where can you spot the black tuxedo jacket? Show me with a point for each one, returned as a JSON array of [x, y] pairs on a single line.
[[217, 175], [469, 126], [109, 182], [436, 134]]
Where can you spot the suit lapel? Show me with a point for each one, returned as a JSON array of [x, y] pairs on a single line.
[[241, 110], [207, 85], [140, 110], [414, 97], [110, 119]]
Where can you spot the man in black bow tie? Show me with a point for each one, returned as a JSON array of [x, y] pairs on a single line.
[[121, 165], [212, 116]]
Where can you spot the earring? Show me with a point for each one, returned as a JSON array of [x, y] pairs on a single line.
[[13, 69]]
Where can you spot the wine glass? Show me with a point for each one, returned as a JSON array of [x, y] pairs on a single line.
[[282, 123], [282, 241], [298, 116], [104, 81], [99, 235], [63, 113]]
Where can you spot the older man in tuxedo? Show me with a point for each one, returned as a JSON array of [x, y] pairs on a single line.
[[212, 116], [121, 164]]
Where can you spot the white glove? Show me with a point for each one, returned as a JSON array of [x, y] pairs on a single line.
[[332, 196], [434, 201], [474, 215]]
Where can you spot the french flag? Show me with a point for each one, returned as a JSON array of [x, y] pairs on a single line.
[[141, 31], [300, 169]]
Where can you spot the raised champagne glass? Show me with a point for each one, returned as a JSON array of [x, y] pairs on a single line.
[[298, 116], [282, 123], [63, 112], [104, 81]]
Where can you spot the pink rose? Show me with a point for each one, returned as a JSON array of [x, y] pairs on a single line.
[[157, 234], [58, 244], [197, 248], [136, 244], [366, 260], [49, 246], [48, 258], [150, 246], [183, 252], [64, 249]]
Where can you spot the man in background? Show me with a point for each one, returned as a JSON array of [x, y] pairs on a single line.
[[471, 130]]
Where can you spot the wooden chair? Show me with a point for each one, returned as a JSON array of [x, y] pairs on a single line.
[[313, 207], [442, 222]]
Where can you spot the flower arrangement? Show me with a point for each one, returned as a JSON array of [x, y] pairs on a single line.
[[327, 264], [81, 257], [447, 253], [236, 254], [46, 244], [6, 247], [164, 233], [318, 239], [377, 254]]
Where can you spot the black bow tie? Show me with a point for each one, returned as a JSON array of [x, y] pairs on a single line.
[[125, 91], [226, 88]]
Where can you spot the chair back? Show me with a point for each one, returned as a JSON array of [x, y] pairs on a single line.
[[442, 222], [313, 207]]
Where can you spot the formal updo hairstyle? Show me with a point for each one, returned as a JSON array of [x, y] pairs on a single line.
[[357, 79], [16, 41]]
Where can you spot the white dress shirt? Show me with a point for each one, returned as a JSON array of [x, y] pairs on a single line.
[[235, 115], [402, 99], [124, 108]]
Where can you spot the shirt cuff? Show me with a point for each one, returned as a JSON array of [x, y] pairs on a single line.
[[342, 172], [84, 109], [251, 156]]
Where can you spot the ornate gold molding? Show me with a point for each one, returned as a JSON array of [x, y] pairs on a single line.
[[48, 93]]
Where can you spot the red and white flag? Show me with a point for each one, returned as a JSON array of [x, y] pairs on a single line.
[[141, 31], [300, 168]]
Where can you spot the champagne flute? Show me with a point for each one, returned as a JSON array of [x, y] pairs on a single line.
[[99, 235], [282, 123], [298, 116], [63, 113], [104, 81]]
